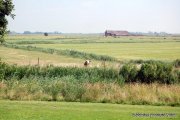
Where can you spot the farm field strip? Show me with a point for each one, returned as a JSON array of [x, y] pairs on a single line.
[[23, 57], [125, 51], [85, 39], [122, 48]]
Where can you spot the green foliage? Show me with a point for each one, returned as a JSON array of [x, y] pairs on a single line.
[[69, 89], [150, 72], [177, 63], [129, 72], [72, 91], [156, 71], [91, 74], [53, 88], [6, 7]]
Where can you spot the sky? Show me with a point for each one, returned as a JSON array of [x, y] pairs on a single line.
[[96, 16]]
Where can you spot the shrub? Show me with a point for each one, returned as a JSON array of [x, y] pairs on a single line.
[[45, 34], [155, 72], [150, 71], [177, 63], [83, 74], [129, 72], [53, 88], [72, 91]]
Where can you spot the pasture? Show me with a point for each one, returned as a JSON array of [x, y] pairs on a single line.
[[31, 110], [126, 51], [122, 48], [23, 57]]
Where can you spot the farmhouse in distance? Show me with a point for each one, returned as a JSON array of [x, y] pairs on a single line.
[[114, 33]]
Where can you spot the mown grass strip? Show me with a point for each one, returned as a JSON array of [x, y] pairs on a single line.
[[56, 41], [67, 52], [22, 110]]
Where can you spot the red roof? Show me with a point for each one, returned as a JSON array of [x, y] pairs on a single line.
[[117, 33]]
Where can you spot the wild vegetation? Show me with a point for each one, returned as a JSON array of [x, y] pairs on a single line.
[[70, 89], [92, 84], [149, 72]]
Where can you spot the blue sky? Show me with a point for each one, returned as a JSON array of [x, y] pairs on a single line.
[[91, 16]]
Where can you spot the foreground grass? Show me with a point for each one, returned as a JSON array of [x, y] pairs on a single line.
[[20, 110]]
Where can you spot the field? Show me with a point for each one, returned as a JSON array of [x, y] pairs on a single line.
[[122, 48], [126, 51], [19, 110], [129, 72], [22, 57]]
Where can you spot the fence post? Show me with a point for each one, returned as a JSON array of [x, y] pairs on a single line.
[[104, 65], [38, 61]]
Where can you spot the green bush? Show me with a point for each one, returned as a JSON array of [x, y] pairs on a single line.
[[90, 74], [72, 91], [129, 72], [156, 72], [177, 63], [53, 88], [150, 72]]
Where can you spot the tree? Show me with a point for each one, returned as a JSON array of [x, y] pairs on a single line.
[[6, 8], [45, 34]]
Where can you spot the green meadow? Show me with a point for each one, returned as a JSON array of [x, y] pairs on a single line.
[[121, 48], [23, 57], [126, 51], [31, 110], [41, 85]]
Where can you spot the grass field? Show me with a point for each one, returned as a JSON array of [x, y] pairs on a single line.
[[30, 110], [91, 39], [123, 48], [126, 51], [22, 57]]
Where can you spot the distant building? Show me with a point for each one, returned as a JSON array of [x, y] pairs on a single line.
[[116, 33]]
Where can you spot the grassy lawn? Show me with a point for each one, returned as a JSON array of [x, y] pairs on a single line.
[[18, 110], [126, 51]]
